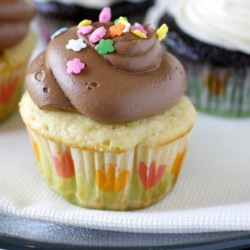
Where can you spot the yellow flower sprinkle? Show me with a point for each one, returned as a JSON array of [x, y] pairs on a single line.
[[122, 20], [161, 33], [84, 22], [139, 34]]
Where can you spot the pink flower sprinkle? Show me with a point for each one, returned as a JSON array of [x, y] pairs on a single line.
[[105, 15], [75, 66], [139, 27], [97, 35], [84, 30]]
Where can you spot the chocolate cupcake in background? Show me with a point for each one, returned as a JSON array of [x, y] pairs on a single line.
[[55, 14], [106, 114], [16, 44], [213, 42]]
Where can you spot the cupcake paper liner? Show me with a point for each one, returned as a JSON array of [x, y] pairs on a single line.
[[109, 180], [13, 63], [218, 90], [11, 82]]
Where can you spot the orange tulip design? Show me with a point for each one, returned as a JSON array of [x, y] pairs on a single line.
[[36, 150], [216, 83], [64, 165], [107, 181], [8, 90], [178, 162]]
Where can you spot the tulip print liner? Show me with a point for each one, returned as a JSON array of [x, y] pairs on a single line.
[[220, 91], [10, 90], [12, 74], [16, 43], [108, 180]]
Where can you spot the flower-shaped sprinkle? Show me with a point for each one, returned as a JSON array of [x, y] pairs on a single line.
[[84, 22], [127, 28], [75, 66], [122, 20], [76, 45], [58, 33], [116, 30], [139, 27], [97, 35], [139, 34], [105, 46], [85, 30], [105, 15], [161, 33]]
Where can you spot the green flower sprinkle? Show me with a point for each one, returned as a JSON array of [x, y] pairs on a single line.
[[105, 46]]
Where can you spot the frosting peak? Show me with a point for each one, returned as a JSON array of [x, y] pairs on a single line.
[[136, 55], [126, 78], [224, 23], [15, 16]]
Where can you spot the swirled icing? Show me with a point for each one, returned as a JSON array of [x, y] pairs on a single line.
[[224, 23], [138, 80], [15, 16]]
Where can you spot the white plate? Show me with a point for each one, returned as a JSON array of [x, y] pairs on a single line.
[[212, 193]]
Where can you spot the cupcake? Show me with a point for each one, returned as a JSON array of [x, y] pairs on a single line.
[[55, 14], [16, 43], [213, 42], [106, 114]]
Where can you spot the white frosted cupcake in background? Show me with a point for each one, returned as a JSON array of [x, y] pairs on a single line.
[[16, 44], [55, 14], [212, 40], [106, 114]]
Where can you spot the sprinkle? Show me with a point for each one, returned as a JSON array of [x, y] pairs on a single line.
[[105, 46], [161, 33], [127, 28], [122, 20], [139, 27], [75, 66], [139, 34], [116, 30], [84, 30], [58, 33], [97, 35], [84, 22], [76, 45], [105, 15]]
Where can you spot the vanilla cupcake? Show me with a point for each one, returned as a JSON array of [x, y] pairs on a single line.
[[16, 43], [213, 42], [55, 14], [106, 114]]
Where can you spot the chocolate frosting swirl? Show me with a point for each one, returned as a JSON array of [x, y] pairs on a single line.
[[15, 16], [140, 79], [136, 55]]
